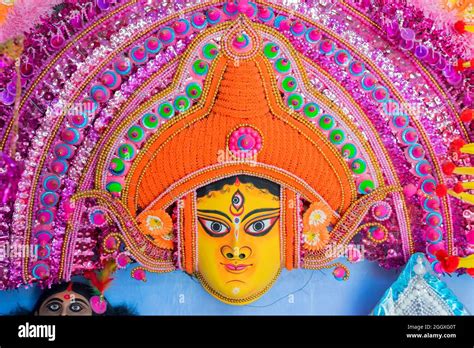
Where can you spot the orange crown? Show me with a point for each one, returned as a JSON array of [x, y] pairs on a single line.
[[293, 153]]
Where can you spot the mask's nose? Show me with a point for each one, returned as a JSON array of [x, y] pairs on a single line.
[[236, 253]]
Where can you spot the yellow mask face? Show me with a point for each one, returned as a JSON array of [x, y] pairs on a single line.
[[238, 242]]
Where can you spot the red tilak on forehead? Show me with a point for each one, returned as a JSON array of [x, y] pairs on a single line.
[[237, 181], [69, 289]]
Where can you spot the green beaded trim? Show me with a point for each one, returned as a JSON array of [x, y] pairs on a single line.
[[113, 186], [289, 84], [271, 50], [366, 187], [207, 51], [337, 136], [126, 152], [193, 90], [136, 134], [117, 167], [358, 166], [150, 121], [200, 67], [326, 122], [295, 101], [311, 110], [349, 151], [282, 65], [166, 110], [182, 103]]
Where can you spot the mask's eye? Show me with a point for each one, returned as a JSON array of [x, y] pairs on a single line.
[[260, 227], [76, 307], [54, 306], [214, 228]]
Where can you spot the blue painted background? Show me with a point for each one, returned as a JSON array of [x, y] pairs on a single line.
[[296, 292]]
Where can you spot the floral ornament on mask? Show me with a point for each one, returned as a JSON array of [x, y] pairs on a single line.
[[315, 226], [100, 281], [315, 238], [158, 225], [450, 263]]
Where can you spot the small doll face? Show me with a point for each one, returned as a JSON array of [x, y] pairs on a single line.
[[238, 242], [66, 303]]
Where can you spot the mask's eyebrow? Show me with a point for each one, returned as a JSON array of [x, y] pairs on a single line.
[[215, 212], [259, 211], [82, 301], [54, 299]]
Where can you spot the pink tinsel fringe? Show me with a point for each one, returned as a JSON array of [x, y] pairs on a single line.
[[24, 15], [444, 19]]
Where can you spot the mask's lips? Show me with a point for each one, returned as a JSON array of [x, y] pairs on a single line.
[[236, 268]]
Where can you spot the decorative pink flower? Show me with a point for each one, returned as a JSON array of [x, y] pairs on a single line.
[[245, 141]]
